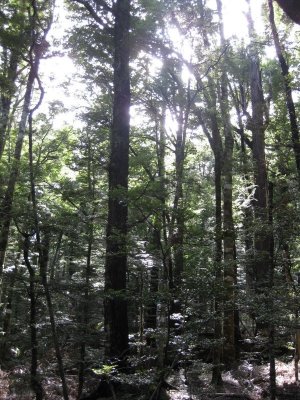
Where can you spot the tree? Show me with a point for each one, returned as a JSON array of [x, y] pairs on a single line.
[[38, 29], [291, 8], [257, 126], [282, 59], [178, 215], [115, 303]]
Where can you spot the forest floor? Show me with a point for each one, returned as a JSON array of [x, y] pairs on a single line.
[[248, 381]]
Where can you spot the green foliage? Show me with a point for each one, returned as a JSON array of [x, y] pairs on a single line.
[[70, 168], [106, 370]]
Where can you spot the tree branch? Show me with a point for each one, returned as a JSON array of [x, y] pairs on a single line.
[[248, 142], [92, 12], [104, 5]]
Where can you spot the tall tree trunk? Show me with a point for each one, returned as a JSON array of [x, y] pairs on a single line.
[[215, 141], [230, 268], [217, 351], [158, 268], [178, 212], [238, 97], [115, 303], [85, 317], [287, 87], [262, 232], [177, 223], [260, 179]]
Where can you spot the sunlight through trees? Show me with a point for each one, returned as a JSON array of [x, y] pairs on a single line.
[[149, 199]]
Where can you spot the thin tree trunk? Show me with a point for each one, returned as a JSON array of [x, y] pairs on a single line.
[[43, 250], [217, 148], [6, 205], [178, 213], [88, 271], [287, 87], [230, 268], [239, 103], [262, 235], [34, 56], [6, 99], [43, 259], [216, 145], [261, 240], [215, 142], [55, 257], [177, 224], [115, 303], [7, 317], [86, 309], [34, 379], [217, 350], [151, 309], [229, 328], [271, 309], [157, 240], [297, 349]]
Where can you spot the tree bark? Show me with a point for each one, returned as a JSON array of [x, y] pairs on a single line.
[[85, 311], [215, 141], [8, 309], [34, 379], [271, 338], [37, 36], [7, 202], [158, 237], [177, 223], [217, 350], [287, 87], [214, 137], [115, 303], [6, 98], [43, 261], [43, 251], [85, 315], [262, 232], [291, 8], [230, 268]]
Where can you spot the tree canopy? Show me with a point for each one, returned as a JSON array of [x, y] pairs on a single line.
[[149, 206]]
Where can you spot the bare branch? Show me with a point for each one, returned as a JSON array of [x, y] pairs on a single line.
[[92, 12]]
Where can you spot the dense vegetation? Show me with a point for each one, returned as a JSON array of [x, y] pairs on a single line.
[[157, 237]]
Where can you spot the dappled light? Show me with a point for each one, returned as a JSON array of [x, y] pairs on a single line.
[[149, 200]]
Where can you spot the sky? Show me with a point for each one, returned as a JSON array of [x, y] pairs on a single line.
[[59, 72], [234, 18]]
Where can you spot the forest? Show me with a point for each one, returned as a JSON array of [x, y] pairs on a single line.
[[149, 199]]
